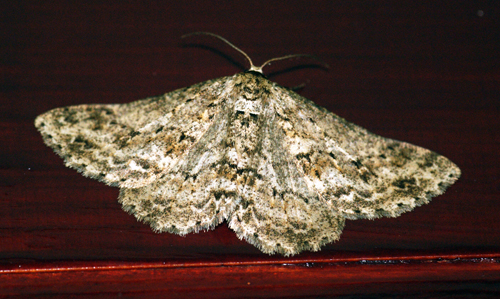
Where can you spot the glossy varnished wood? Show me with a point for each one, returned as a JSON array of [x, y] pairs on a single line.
[[422, 279], [426, 73]]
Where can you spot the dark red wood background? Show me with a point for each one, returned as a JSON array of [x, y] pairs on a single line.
[[426, 72]]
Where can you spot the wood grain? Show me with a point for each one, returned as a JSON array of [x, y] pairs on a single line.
[[425, 73]]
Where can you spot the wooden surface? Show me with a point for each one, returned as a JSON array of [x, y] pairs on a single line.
[[426, 73]]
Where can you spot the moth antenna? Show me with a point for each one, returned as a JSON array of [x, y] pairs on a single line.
[[295, 55], [252, 66]]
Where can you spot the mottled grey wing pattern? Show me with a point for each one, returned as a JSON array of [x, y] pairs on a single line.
[[282, 171], [129, 145], [239, 171], [192, 195], [360, 174], [278, 211]]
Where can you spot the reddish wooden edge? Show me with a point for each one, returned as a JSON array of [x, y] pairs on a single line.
[[406, 276], [124, 265]]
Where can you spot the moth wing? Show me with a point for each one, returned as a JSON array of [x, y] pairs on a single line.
[[360, 174], [278, 213], [130, 145], [192, 195]]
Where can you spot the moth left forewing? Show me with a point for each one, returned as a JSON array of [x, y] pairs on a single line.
[[129, 145], [86, 137]]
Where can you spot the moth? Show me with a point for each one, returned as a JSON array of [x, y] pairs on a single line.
[[282, 171]]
